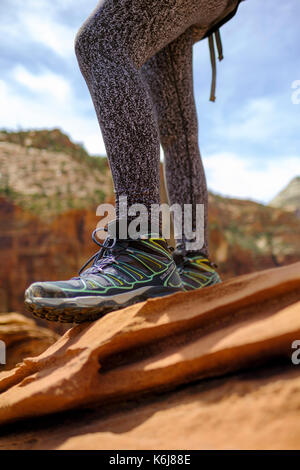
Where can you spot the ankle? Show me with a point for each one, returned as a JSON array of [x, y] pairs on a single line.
[[131, 229], [181, 248]]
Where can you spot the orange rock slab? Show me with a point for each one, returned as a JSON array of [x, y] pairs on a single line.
[[160, 344], [22, 338]]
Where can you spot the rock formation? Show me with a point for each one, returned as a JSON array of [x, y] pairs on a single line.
[[244, 237], [289, 197], [49, 191], [23, 338], [45, 173], [209, 369], [31, 249]]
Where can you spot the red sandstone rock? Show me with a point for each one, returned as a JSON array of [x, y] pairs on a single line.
[[244, 237], [160, 344], [23, 338]]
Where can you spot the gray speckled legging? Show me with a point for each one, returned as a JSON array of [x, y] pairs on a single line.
[[136, 58]]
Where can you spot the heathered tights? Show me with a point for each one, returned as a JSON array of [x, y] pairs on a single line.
[[136, 58]]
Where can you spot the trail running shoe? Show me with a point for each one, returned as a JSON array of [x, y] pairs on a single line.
[[196, 271], [123, 272]]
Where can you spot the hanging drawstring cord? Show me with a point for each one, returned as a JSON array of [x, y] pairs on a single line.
[[219, 44], [213, 60]]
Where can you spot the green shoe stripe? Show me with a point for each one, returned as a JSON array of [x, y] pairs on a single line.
[[147, 255], [109, 275], [157, 248], [196, 275], [203, 265], [167, 283], [135, 269], [127, 269], [164, 266], [146, 265], [187, 284], [208, 280]]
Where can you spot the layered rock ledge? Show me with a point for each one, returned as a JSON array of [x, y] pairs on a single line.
[[201, 341]]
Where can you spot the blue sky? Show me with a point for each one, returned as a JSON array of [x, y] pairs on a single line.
[[249, 138]]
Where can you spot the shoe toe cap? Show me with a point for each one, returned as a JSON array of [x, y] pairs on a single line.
[[44, 290]]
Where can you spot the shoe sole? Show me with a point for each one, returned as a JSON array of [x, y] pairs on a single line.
[[87, 309]]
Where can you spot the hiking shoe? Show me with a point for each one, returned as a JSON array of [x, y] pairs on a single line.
[[196, 270], [123, 272]]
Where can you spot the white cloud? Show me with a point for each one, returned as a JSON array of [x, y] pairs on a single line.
[[231, 175], [56, 36], [261, 124], [47, 83], [257, 120], [17, 109], [51, 102], [37, 23]]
